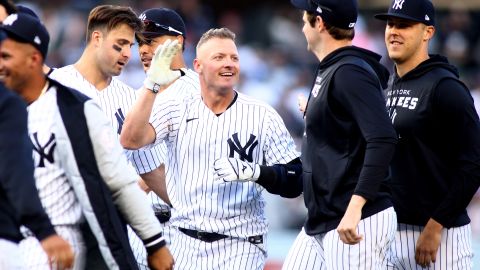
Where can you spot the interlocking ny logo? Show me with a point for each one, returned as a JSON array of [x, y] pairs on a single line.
[[120, 120], [245, 152], [44, 151], [398, 4]]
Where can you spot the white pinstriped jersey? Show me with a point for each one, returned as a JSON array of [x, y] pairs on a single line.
[[55, 191], [195, 138], [115, 100]]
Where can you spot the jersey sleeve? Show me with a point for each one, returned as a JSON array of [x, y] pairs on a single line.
[[165, 119], [17, 171], [361, 98], [279, 147], [147, 160], [454, 106], [120, 178]]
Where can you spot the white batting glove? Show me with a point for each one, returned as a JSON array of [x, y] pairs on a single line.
[[233, 169], [160, 74]]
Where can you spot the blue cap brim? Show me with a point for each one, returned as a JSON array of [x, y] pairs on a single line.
[[386, 16]]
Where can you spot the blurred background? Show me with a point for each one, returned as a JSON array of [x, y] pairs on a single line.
[[275, 64]]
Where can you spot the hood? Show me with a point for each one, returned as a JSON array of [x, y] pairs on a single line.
[[370, 57], [435, 61]]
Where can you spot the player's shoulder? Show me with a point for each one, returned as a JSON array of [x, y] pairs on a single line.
[[248, 100], [118, 84]]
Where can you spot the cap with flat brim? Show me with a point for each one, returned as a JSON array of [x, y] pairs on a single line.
[[387, 16], [421, 11]]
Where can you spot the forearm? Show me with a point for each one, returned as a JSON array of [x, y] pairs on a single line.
[[155, 180], [136, 126], [375, 168], [282, 179]]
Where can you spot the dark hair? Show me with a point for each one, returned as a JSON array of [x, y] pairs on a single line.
[[145, 39], [9, 6], [107, 17], [335, 32], [223, 33]]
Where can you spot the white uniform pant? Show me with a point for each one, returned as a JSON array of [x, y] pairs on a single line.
[[10, 256], [304, 253], [35, 258], [225, 254], [455, 251], [139, 249], [327, 252]]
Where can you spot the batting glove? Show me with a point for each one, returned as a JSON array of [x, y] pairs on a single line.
[[233, 169], [160, 74]]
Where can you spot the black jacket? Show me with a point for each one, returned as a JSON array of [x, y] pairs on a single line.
[[348, 140], [19, 201], [436, 166]]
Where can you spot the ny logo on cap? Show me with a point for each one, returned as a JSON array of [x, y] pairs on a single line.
[[142, 17], [10, 19], [398, 4], [37, 40]]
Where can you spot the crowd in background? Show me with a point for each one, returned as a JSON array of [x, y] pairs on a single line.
[[276, 66]]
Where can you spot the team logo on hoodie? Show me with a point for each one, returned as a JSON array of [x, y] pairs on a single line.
[[317, 86]]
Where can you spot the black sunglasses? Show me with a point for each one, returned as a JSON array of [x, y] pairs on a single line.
[[149, 24]]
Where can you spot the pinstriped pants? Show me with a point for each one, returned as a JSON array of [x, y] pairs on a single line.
[[327, 252], [139, 249], [225, 254], [35, 258], [455, 251], [10, 256]]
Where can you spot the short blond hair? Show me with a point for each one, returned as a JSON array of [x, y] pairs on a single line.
[[223, 33]]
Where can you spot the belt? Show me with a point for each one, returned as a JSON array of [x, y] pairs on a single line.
[[162, 212], [212, 237]]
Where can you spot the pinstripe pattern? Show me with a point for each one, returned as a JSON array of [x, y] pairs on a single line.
[[10, 256], [455, 251], [225, 254], [371, 253], [235, 209], [35, 258], [116, 100], [54, 189], [303, 254]]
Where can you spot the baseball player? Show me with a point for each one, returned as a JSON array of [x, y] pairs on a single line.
[[347, 145], [19, 201], [81, 181], [436, 167], [160, 25], [221, 223], [94, 75]]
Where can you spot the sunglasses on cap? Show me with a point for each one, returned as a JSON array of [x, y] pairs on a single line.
[[151, 26]]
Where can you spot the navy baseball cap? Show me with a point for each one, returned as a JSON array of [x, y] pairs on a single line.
[[162, 21], [414, 10], [27, 29], [339, 13], [26, 10]]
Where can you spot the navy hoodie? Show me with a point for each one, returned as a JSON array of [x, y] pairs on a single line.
[[436, 166], [349, 139]]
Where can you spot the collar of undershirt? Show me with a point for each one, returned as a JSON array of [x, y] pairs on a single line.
[[230, 105]]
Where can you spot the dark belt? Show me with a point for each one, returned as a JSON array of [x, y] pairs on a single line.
[[212, 237], [162, 212]]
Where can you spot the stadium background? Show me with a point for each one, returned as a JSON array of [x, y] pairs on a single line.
[[275, 64]]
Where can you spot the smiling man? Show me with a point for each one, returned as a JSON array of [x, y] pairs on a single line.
[[435, 169], [213, 139]]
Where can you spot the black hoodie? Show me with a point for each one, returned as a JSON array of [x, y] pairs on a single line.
[[436, 166], [348, 140]]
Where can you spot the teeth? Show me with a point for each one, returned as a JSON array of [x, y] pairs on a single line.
[[227, 74]]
